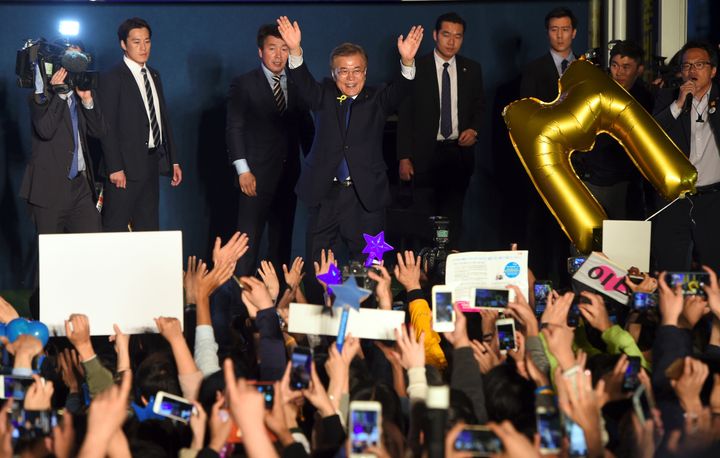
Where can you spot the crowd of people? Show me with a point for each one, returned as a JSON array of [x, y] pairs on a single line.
[[617, 382]]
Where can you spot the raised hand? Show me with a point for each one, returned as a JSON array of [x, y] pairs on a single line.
[[169, 328], [407, 270], [324, 266], [39, 394], [233, 250], [290, 33], [557, 309], [486, 356], [407, 47], [255, 295], [383, 291], [122, 348], [647, 285], [689, 385], [595, 312], [189, 277], [459, 337], [270, 278], [713, 292], [295, 273], [7, 311], [71, 370], [108, 412], [412, 352], [671, 302], [77, 329], [207, 282]]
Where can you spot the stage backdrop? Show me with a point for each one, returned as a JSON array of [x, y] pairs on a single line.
[[199, 47]]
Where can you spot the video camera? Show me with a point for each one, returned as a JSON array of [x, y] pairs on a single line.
[[435, 256], [41, 59]]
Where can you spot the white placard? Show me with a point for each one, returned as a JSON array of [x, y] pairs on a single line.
[[485, 269], [363, 323], [124, 278], [603, 276], [627, 243]]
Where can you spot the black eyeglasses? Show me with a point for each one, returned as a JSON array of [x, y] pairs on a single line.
[[696, 65]]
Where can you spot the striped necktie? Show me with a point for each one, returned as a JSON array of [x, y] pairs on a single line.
[[151, 107], [279, 95]]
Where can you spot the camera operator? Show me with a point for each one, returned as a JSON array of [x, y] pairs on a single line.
[[58, 183]]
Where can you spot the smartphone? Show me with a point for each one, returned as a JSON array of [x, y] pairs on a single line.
[[630, 379], [541, 290], [13, 386], [643, 301], [574, 263], [506, 334], [493, 299], [442, 309], [301, 367], [365, 427], [32, 424], [549, 428], [267, 389], [478, 440], [576, 437], [573, 316], [174, 407], [643, 404], [692, 282]]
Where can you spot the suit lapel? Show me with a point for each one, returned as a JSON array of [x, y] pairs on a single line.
[[462, 96], [132, 83], [714, 117]]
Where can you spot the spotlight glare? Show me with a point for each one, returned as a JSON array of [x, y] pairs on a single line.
[[69, 28]]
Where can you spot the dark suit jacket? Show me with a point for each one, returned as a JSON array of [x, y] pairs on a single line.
[[419, 116], [679, 129], [125, 147], [361, 144], [540, 78], [258, 133], [46, 177]]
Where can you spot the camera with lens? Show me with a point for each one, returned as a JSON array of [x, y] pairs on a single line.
[[434, 257], [41, 59], [360, 272]]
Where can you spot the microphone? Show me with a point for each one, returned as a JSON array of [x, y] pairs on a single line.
[[688, 102]]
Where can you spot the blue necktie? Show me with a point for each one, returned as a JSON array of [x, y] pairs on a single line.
[[445, 110], [343, 171], [76, 138]]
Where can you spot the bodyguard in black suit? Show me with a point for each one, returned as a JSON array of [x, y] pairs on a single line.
[[688, 229], [58, 183], [439, 124], [547, 243], [139, 143], [343, 180], [266, 125]]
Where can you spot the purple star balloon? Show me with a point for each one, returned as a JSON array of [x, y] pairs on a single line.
[[331, 277], [375, 247]]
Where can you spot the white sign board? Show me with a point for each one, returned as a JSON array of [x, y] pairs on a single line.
[[124, 278], [627, 243], [363, 323], [604, 276], [485, 269]]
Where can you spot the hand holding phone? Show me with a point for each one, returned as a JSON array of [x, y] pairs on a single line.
[[478, 440], [442, 308], [300, 369], [173, 407], [631, 378], [365, 427], [505, 330]]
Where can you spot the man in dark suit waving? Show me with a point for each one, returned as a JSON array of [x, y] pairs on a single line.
[[438, 126], [343, 180], [266, 125], [139, 143]]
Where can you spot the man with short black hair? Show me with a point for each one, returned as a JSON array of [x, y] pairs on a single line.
[[606, 170], [688, 229], [139, 143], [439, 124], [267, 122]]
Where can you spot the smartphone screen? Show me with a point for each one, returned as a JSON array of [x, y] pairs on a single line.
[[692, 282], [174, 408], [32, 425], [268, 392], [574, 264], [644, 301], [506, 335], [630, 379], [573, 317], [300, 371], [15, 386], [365, 429], [541, 290], [549, 429], [576, 436], [443, 307], [492, 298], [480, 441]]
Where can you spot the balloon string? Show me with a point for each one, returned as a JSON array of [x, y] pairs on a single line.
[[663, 209]]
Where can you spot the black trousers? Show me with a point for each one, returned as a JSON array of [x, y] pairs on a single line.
[[688, 231], [136, 204], [449, 177], [339, 220], [276, 207], [76, 214]]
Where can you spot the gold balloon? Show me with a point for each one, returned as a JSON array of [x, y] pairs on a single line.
[[590, 102]]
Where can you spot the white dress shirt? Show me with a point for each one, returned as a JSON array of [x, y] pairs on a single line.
[[136, 69], [452, 71]]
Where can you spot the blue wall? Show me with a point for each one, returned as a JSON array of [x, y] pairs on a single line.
[[198, 48]]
